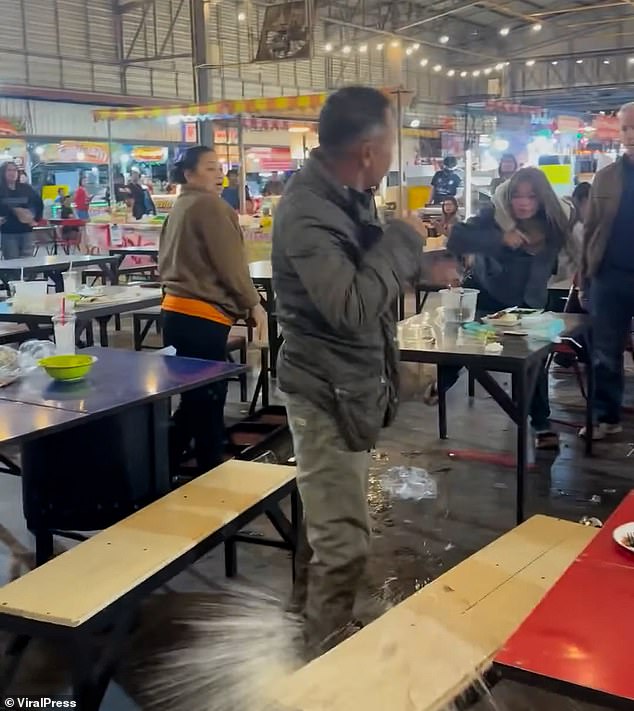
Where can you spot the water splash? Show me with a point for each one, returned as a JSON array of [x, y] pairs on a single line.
[[233, 650]]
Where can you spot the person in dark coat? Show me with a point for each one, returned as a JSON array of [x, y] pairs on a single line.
[[20, 208]]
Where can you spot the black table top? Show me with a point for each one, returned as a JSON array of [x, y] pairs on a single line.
[[455, 346], [51, 263], [19, 421], [143, 250], [120, 379], [123, 300]]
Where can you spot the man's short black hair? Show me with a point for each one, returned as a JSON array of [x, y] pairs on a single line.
[[351, 114], [450, 162]]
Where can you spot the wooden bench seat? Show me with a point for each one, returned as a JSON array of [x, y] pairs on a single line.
[[429, 649], [100, 583]]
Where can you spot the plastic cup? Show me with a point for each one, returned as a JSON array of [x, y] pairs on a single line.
[[64, 333], [71, 281]]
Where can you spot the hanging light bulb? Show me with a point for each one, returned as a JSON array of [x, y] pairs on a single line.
[[380, 46], [488, 70], [475, 73], [555, 63], [409, 51], [499, 67], [443, 39], [451, 73], [363, 48], [415, 46], [395, 43], [424, 62], [242, 16], [438, 67], [536, 27], [463, 74], [505, 31], [328, 47], [346, 49], [530, 63]]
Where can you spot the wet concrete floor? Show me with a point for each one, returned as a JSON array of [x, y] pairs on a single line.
[[413, 542]]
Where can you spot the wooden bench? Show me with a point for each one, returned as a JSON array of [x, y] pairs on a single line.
[[96, 588], [429, 649]]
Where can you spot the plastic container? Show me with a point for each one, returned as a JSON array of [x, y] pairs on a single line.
[[459, 305], [68, 368]]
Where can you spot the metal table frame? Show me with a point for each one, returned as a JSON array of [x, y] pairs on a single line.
[[54, 269]]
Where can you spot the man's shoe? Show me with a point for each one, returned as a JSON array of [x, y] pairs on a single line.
[[601, 431]]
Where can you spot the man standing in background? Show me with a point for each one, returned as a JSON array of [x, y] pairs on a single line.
[[608, 276], [337, 273]]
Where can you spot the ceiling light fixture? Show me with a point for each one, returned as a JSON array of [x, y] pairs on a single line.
[[242, 16], [415, 46], [409, 51], [530, 63], [579, 61], [443, 39], [499, 67], [451, 73], [424, 62], [363, 48], [438, 67], [395, 43], [346, 49], [536, 27], [555, 63], [380, 46], [488, 70], [505, 31], [414, 123], [606, 61], [463, 74], [475, 73], [328, 47]]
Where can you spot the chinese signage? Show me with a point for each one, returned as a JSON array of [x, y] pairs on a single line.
[[264, 159]]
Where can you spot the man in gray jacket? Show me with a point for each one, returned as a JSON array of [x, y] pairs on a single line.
[[337, 273]]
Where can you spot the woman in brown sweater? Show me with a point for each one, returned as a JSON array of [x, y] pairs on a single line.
[[207, 287]]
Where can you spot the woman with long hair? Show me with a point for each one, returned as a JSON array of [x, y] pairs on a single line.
[[207, 287], [513, 247], [506, 170], [449, 216], [20, 208]]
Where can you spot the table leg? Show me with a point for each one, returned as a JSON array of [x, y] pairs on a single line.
[[58, 281], [103, 330], [274, 344], [589, 395], [442, 406], [523, 385]]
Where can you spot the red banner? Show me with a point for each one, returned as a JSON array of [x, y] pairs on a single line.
[[606, 128]]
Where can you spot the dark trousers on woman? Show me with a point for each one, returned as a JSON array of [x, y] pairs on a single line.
[[540, 405], [200, 415]]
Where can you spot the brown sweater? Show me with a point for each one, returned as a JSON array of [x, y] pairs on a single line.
[[202, 256]]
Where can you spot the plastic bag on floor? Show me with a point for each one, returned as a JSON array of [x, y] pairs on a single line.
[[414, 380], [409, 483]]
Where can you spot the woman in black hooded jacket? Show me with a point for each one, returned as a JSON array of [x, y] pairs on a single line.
[[20, 208]]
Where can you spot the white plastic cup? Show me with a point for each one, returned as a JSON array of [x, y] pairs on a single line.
[[71, 281], [64, 333]]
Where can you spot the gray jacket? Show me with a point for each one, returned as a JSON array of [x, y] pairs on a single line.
[[337, 274]]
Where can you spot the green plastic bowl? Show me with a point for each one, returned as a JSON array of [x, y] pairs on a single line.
[[68, 368]]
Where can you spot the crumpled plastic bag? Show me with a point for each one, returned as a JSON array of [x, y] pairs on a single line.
[[411, 483], [415, 379]]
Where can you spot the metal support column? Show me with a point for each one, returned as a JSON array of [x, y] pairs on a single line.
[[199, 14]]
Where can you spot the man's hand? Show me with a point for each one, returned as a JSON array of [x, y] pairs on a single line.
[[514, 239], [24, 216], [258, 319]]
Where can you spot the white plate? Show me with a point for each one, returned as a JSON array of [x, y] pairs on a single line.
[[619, 534]]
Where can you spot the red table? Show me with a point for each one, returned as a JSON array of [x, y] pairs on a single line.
[[577, 640]]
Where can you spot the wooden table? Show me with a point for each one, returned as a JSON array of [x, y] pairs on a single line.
[[577, 639], [116, 300], [52, 266], [108, 453], [428, 649], [522, 358]]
